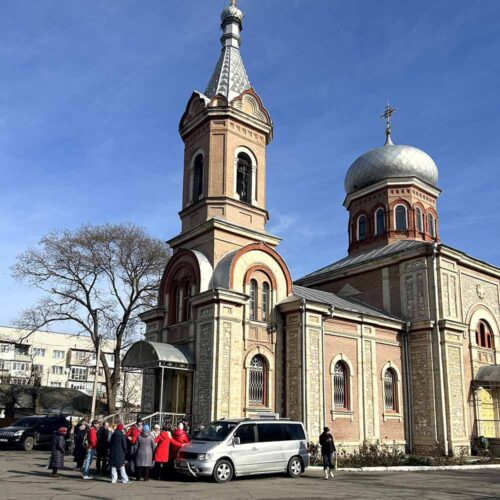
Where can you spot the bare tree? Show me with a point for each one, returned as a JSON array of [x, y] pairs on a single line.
[[34, 386], [10, 396], [99, 278], [129, 389]]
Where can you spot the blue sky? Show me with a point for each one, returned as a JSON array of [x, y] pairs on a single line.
[[91, 94]]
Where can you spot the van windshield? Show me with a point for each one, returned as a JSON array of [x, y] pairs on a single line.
[[216, 431]]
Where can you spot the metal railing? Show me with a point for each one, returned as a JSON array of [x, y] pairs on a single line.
[[162, 418]]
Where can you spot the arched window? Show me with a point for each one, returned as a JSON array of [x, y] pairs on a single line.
[[187, 307], [431, 227], [253, 300], [266, 301], [340, 386], [361, 227], [484, 335], [419, 221], [257, 381], [390, 390], [244, 178], [198, 178], [178, 304], [380, 221], [401, 218]]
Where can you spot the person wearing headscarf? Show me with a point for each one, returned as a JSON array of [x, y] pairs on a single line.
[[118, 454], [58, 450], [144, 454]]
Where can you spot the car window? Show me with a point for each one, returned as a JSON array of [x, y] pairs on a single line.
[[216, 431], [26, 422], [270, 432], [246, 433], [294, 432]]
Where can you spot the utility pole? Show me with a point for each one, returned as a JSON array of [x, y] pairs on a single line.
[[94, 392]]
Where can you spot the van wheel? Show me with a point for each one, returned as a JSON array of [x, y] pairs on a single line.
[[28, 443], [223, 471], [294, 467]]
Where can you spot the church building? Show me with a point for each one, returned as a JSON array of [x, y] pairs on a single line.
[[396, 342]]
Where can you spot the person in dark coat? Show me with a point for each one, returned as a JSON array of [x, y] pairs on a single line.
[[103, 437], [58, 450], [79, 451], [327, 451], [118, 454], [132, 435], [144, 455]]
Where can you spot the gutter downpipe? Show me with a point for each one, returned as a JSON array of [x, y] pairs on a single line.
[[440, 355], [408, 409], [331, 311], [304, 389]]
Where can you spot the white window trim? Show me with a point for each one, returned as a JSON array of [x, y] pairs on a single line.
[[406, 217], [387, 414], [375, 220], [264, 352], [253, 159], [349, 412], [357, 227], [191, 174]]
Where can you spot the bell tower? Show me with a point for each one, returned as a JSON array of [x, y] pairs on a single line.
[[225, 131]]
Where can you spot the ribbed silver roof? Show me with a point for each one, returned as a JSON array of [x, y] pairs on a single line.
[[353, 260], [341, 303], [391, 160], [229, 78]]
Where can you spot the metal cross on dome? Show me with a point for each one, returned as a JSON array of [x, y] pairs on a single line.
[[389, 110], [233, 2]]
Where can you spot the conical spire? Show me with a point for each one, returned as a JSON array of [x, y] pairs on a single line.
[[229, 77]]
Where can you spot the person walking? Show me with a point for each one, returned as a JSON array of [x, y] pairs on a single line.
[[58, 450], [144, 454], [162, 453], [90, 443], [79, 451], [103, 436], [132, 435], [327, 451], [118, 447]]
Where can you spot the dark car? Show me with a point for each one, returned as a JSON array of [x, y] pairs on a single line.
[[28, 432]]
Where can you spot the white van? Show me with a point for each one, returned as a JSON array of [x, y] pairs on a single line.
[[246, 446]]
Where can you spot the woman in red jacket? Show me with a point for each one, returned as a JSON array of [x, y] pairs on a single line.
[[162, 453]]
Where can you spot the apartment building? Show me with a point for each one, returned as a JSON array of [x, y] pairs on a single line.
[[63, 360]]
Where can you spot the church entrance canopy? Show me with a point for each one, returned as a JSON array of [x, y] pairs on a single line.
[[488, 376], [145, 354], [167, 376]]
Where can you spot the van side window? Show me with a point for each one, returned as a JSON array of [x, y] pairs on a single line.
[[270, 432], [293, 432], [246, 433]]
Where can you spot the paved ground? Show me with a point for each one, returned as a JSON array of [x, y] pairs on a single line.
[[23, 476]]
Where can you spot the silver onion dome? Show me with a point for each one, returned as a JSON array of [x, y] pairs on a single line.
[[389, 161], [232, 11]]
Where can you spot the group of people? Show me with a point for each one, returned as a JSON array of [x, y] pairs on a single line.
[[140, 451]]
